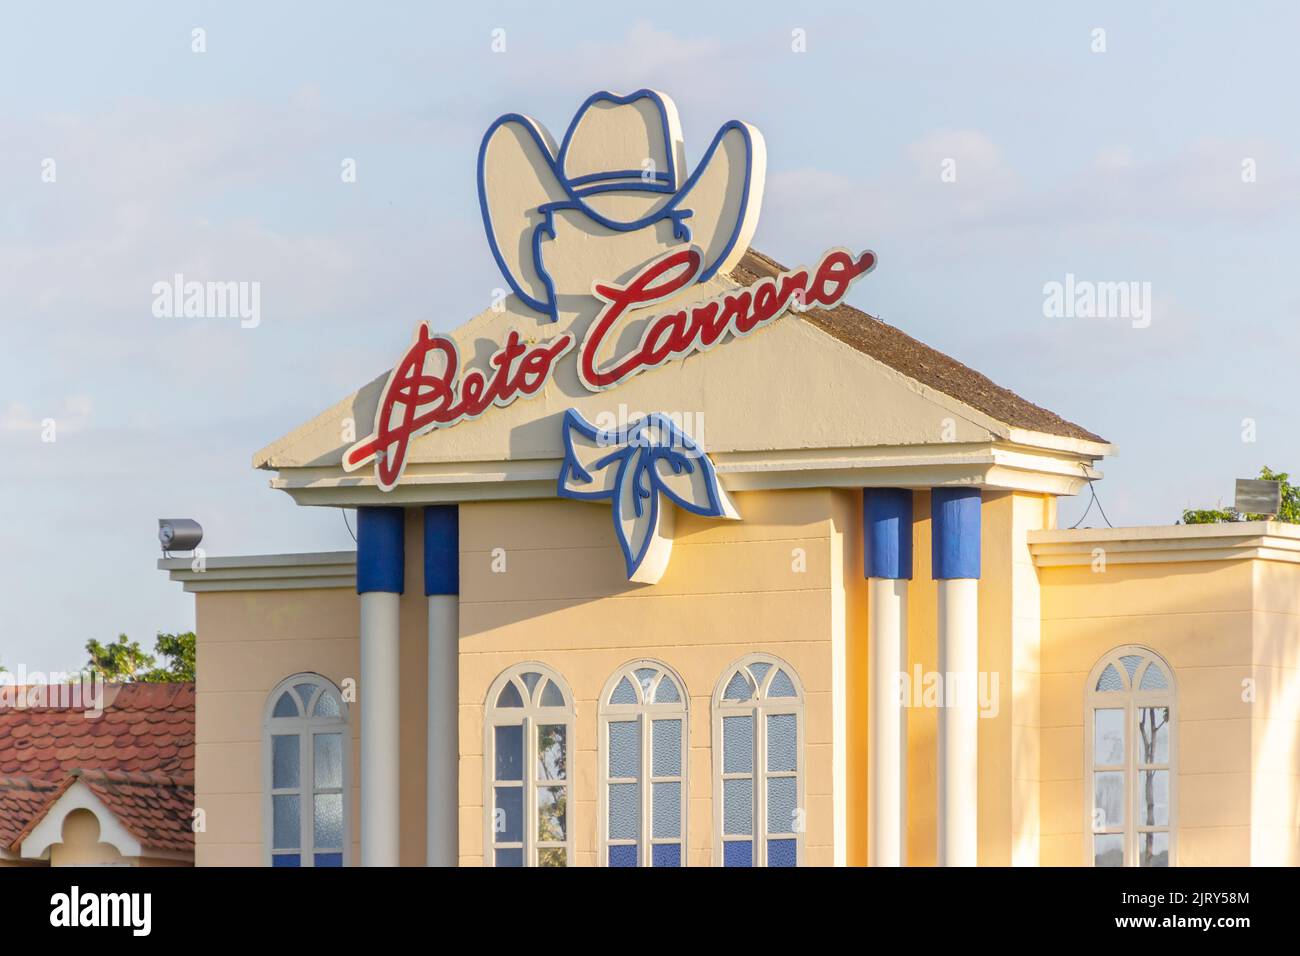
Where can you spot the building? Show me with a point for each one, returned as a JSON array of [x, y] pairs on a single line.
[[97, 781], [831, 621]]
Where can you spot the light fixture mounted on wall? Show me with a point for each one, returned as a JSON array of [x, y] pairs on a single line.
[[179, 534]]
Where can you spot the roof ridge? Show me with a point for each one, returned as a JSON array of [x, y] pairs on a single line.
[[26, 781], [866, 333], [94, 775]]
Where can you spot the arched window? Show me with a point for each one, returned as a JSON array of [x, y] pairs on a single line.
[[1130, 749], [643, 753], [528, 730], [306, 768], [759, 779]]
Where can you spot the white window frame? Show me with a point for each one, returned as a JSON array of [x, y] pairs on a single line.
[[1131, 700], [305, 727], [530, 715], [759, 707], [644, 713]]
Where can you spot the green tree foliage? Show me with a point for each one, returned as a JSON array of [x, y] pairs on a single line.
[[123, 660], [1290, 504], [177, 650]]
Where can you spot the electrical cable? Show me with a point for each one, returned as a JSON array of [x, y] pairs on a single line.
[[1091, 501]]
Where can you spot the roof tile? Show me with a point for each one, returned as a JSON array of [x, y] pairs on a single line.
[[137, 756]]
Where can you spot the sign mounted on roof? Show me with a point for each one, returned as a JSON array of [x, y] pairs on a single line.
[[607, 220]]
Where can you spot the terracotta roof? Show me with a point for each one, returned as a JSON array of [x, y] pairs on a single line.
[[21, 799], [144, 728], [137, 756], [918, 361], [155, 808]]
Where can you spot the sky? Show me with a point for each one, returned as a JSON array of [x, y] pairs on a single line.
[[1136, 142]]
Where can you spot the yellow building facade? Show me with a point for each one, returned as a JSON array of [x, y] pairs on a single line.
[[1215, 603], [831, 622]]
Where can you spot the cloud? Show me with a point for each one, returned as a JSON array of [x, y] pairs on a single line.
[[74, 417]]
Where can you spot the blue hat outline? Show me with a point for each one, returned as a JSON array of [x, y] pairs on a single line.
[[610, 181]]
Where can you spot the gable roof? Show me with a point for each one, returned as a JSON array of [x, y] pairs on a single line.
[[22, 799], [918, 361], [155, 808], [137, 757], [878, 392]]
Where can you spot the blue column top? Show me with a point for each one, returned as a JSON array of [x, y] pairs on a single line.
[[441, 549], [381, 550], [955, 545], [887, 533]]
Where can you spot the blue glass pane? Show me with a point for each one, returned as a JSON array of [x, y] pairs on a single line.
[[738, 854], [624, 693], [780, 804], [552, 696], [1108, 849], [286, 832], [737, 744], [624, 811], [738, 807], [667, 737], [781, 853], [285, 859], [645, 677], [305, 691], [328, 820], [739, 688], [1130, 662], [622, 855], [510, 752], [666, 854], [666, 692], [286, 706], [1154, 678], [329, 859], [759, 670], [1110, 679], [327, 705], [530, 681], [667, 810], [552, 814], [782, 686], [508, 818], [552, 756], [509, 696], [625, 748], [782, 742], [285, 759], [513, 857], [327, 760]]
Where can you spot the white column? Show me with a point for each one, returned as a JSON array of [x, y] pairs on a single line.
[[886, 722], [380, 720], [958, 721], [443, 796]]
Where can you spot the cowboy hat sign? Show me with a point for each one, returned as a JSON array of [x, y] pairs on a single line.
[[619, 175]]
